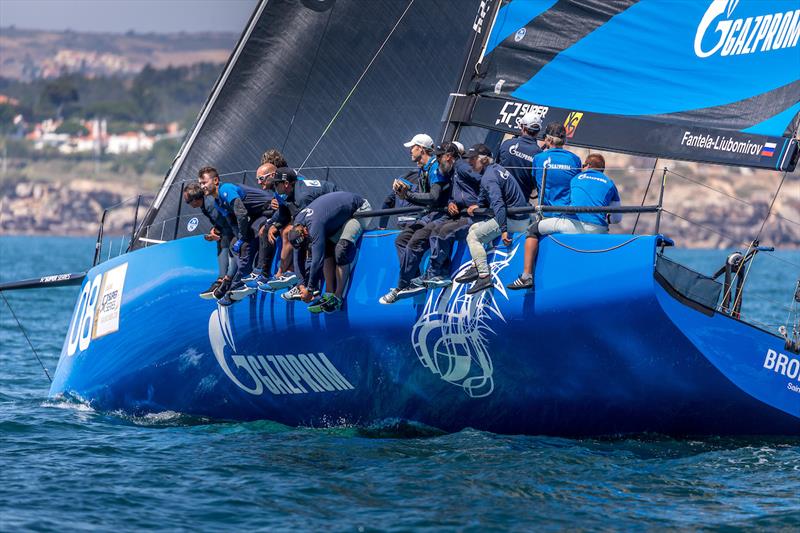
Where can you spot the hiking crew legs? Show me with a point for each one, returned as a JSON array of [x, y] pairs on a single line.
[[444, 235], [485, 232], [266, 252], [418, 244], [401, 241]]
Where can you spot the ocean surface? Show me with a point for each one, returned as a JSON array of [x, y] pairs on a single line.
[[64, 466]]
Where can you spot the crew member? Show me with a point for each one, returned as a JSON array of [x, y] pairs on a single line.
[[455, 225], [516, 154], [499, 191], [590, 188], [328, 219], [295, 193], [555, 167], [262, 272], [247, 208], [221, 232], [414, 240]]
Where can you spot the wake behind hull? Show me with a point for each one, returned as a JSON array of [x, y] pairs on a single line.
[[599, 348]]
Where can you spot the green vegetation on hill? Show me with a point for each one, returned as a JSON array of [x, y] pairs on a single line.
[[152, 95]]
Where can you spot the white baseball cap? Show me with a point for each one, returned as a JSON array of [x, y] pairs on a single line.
[[420, 139], [460, 147], [532, 120]]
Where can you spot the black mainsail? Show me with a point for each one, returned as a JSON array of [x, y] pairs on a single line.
[[292, 70]]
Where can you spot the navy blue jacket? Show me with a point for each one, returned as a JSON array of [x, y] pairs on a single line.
[[304, 192], [499, 191], [323, 218], [516, 155], [466, 184]]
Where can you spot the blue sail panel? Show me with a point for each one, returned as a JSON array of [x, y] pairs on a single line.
[[723, 64]]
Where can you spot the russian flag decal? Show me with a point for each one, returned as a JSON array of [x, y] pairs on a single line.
[[768, 150]]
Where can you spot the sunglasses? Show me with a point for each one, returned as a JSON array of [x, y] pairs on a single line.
[[265, 177]]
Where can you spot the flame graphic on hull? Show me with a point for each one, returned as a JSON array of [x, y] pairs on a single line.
[[451, 337]]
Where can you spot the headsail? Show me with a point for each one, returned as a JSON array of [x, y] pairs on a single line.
[[292, 70], [706, 80]]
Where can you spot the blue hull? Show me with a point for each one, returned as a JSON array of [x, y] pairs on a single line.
[[601, 347]]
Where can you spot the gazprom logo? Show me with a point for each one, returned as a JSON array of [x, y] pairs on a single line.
[[739, 36]]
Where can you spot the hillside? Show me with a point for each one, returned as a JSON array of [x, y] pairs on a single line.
[[34, 54]]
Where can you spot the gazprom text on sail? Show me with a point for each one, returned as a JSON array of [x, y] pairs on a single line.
[[720, 142], [743, 36]]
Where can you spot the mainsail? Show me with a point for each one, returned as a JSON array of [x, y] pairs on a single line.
[[703, 80], [293, 69]]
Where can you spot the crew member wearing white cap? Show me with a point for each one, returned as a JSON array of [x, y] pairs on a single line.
[[433, 192], [516, 154]]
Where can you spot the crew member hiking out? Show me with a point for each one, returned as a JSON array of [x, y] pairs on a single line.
[[516, 154], [590, 188], [221, 233], [499, 191], [247, 208], [433, 192], [295, 193], [267, 247], [327, 228]]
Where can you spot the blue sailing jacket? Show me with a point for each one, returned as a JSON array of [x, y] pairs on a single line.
[[560, 166], [499, 190], [516, 155], [593, 188]]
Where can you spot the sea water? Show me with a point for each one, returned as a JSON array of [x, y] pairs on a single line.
[[64, 466]]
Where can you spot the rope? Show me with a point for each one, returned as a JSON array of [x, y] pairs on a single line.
[[353, 90], [745, 202], [30, 344], [620, 245]]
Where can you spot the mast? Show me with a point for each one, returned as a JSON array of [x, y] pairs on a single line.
[[482, 27]]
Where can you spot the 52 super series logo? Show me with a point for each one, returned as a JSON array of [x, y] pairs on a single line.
[[513, 111]]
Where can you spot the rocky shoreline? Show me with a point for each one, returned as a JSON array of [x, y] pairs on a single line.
[[74, 208]]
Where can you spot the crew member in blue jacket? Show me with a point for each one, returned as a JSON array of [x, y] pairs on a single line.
[[589, 188], [247, 208], [220, 232], [516, 154], [414, 240], [554, 167], [455, 225], [499, 191], [329, 218]]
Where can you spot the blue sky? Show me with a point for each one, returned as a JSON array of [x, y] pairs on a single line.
[[159, 16]]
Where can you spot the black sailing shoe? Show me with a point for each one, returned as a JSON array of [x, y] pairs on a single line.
[[469, 275], [520, 283], [222, 288], [481, 285], [208, 294]]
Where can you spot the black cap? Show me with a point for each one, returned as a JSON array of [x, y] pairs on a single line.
[[285, 174], [556, 129], [478, 149], [296, 237], [447, 148]]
